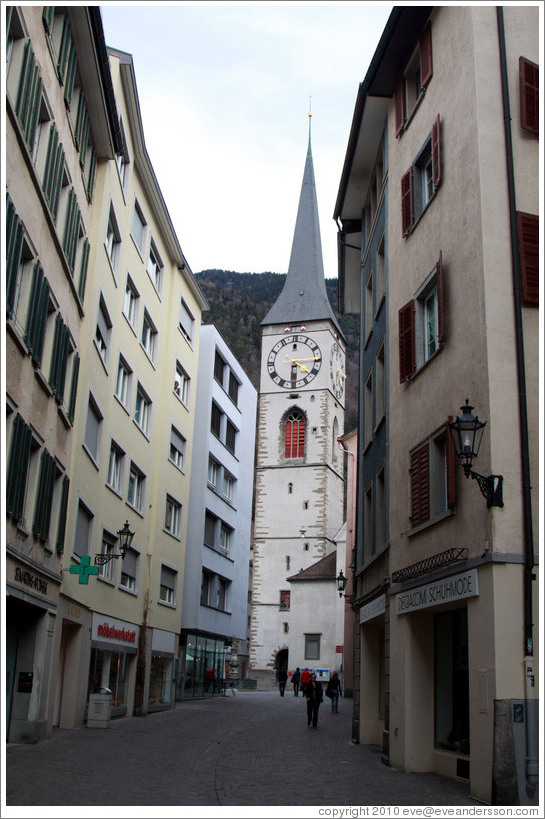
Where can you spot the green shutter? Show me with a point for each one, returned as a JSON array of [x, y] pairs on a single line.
[[55, 367], [29, 96], [54, 170], [48, 15], [92, 171], [14, 245], [17, 470], [64, 48], [70, 76], [44, 496], [61, 530], [37, 314], [71, 230], [83, 268], [73, 388]]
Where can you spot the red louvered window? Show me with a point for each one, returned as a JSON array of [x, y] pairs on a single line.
[[436, 152], [450, 458], [529, 95], [399, 101], [528, 236], [433, 478], [295, 435], [407, 364], [420, 485], [426, 62], [407, 212]]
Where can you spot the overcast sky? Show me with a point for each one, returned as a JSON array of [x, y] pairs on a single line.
[[224, 94]]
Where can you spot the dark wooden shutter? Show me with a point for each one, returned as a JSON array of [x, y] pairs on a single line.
[[450, 457], [426, 62], [436, 152], [407, 208], [420, 485], [21, 439], [440, 300], [529, 95], [61, 530], [407, 363], [399, 101], [528, 236]]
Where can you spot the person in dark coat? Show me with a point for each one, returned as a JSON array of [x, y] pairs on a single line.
[[282, 677], [315, 695], [333, 691], [295, 680]]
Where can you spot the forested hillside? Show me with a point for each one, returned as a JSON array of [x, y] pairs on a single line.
[[238, 304]]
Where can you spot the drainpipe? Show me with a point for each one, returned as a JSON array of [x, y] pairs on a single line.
[[532, 758]]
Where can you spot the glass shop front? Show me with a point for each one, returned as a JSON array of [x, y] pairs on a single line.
[[203, 666]]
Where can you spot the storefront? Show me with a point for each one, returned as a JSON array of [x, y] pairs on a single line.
[[372, 715], [114, 645], [163, 645], [203, 666]]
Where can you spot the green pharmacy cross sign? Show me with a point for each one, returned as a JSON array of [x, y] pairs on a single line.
[[84, 569]]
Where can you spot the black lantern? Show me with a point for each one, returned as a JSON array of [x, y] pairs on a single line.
[[125, 539], [341, 583], [467, 432]]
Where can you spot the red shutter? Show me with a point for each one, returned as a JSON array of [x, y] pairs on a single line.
[[407, 211], [529, 95], [420, 486], [301, 447], [407, 364], [450, 458], [426, 63], [399, 100], [288, 439], [528, 236], [436, 152], [440, 300]]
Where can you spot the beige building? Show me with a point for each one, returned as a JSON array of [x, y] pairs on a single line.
[[60, 123], [133, 440], [443, 163]]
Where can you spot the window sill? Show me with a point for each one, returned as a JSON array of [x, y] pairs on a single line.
[[174, 536], [40, 378], [421, 367], [115, 491], [121, 404], [91, 456], [64, 417], [412, 114], [107, 581], [146, 353], [13, 332], [449, 513], [133, 592], [215, 608], [167, 605], [144, 433], [134, 509]]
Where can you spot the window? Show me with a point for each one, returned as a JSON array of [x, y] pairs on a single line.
[[369, 545], [421, 324], [123, 383], [93, 429], [18, 468], [130, 302], [173, 516], [84, 527], [155, 267], [380, 274], [138, 228], [413, 83], [432, 478], [380, 510], [380, 391], [221, 594], [63, 347], [49, 473], [421, 182], [149, 336], [219, 368], [225, 539], [286, 627], [177, 448], [113, 239], [528, 236], [215, 422], [103, 330], [181, 384], [529, 95], [228, 485], [210, 522], [206, 582], [284, 600], [230, 436], [135, 493], [312, 646], [115, 468], [213, 470], [368, 296], [106, 571], [122, 159], [186, 321], [295, 435], [368, 411], [167, 588], [142, 410], [288, 561], [129, 569], [233, 388]]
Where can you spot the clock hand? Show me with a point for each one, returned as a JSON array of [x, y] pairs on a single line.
[[297, 361]]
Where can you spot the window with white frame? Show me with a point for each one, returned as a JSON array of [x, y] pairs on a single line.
[[149, 336], [422, 324], [221, 594], [312, 646], [177, 448], [173, 516], [142, 410], [84, 530], [115, 467], [138, 228], [103, 330], [225, 539], [167, 588], [113, 239], [181, 384], [123, 382], [135, 493], [106, 571], [130, 302], [228, 485], [206, 584], [155, 267], [213, 471], [186, 321], [129, 571], [93, 428]]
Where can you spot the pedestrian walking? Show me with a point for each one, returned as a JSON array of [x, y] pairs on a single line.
[[282, 677], [315, 696], [295, 680], [333, 691], [305, 679]]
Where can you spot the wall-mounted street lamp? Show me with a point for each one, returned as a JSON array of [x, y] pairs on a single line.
[[467, 432], [125, 539], [341, 586]]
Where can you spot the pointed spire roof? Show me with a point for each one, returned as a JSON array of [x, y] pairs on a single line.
[[304, 297]]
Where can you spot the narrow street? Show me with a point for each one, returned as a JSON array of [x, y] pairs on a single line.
[[253, 749]]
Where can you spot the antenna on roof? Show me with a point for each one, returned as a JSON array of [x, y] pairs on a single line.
[[309, 118]]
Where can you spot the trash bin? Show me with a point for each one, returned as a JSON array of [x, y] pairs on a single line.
[[100, 705]]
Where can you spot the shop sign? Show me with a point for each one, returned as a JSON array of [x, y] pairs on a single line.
[[373, 609], [457, 587], [115, 631], [31, 580]]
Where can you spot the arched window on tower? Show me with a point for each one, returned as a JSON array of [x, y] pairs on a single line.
[[295, 434]]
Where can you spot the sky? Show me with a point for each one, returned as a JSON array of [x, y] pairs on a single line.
[[225, 91]]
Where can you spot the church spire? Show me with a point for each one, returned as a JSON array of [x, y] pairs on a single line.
[[304, 297]]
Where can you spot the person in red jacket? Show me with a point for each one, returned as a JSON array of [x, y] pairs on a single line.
[[305, 679]]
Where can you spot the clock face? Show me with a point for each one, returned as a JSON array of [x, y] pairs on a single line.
[[336, 370], [294, 361]]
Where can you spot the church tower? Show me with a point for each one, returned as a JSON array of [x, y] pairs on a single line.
[[299, 477]]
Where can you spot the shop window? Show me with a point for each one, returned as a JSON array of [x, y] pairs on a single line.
[[109, 669], [452, 681], [160, 680], [312, 646]]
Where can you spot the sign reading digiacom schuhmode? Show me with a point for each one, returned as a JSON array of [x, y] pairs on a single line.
[[442, 591]]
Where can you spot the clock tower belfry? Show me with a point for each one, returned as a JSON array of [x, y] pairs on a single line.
[[299, 473]]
